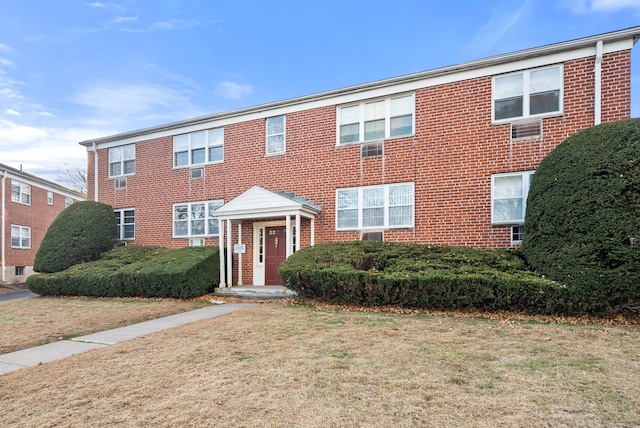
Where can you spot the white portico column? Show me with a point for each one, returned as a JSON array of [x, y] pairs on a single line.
[[297, 233], [288, 236], [229, 255], [221, 246], [240, 254]]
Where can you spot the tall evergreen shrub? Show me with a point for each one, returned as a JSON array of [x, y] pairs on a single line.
[[79, 234], [583, 216]]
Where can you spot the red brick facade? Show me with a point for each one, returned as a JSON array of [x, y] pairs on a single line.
[[36, 214], [450, 157]]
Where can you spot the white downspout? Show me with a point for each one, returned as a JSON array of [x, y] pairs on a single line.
[[95, 172], [597, 96], [221, 247], [4, 215]]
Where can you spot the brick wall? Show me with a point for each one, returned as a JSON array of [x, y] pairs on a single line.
[[450, 158], [38, 216]]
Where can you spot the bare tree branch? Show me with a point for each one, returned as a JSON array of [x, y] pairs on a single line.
[[74, 178]]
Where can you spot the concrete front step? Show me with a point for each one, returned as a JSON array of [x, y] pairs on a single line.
[[256, 292]]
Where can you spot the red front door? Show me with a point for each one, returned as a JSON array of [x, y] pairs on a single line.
[[275, 253]]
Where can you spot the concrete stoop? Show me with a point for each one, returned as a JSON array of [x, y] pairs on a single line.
[[256, 292]]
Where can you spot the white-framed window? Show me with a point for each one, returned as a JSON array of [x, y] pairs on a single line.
[[377, 119], [196, 219], [68, 201], [375, 207], [517, 233], [126, 222], [276, 142], [197, 148], [509, 197], [528, 93], [20, 192], [50, 198], [20, 237], [122, 160]]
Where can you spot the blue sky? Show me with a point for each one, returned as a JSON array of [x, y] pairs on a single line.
[[75, 70]]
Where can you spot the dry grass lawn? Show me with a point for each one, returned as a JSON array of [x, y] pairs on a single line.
[[284, 365], [35, 321]]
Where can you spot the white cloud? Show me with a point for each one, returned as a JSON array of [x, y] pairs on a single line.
[[12, 112], [5, 48], [592, 6], [44, 151], [122, 19], [6, 62], [233, 90], [10, 93], [96, 5], [135, 105], [503, 18], [610, 5]]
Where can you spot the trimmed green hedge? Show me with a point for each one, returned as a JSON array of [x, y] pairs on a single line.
[[79, 234], [583, 216], [136, 271], [423, 276]]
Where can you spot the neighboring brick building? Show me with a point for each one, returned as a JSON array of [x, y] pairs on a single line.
[[442, 156], [29, 206]]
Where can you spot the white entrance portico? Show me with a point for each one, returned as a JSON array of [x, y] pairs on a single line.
[[275, 216]]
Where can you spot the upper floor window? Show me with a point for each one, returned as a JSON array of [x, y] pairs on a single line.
[[68, 201], [50, 198], [122, 160], [376, 120], [509, 197], [20, 192], [375, 207], [126, 221], [275, 135], [20, 237], [528, 93], [198, 147], [195, 219]]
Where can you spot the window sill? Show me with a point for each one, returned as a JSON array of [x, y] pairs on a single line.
[[113, 177], [376, 140], [197, 165], [526, 118]]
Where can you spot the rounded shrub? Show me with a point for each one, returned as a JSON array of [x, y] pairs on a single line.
[[79, 234], [583, 216]]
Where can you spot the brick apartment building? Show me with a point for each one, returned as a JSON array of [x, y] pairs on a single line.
[[29, 206], [443, 156]]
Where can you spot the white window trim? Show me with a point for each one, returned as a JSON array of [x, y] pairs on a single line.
[[526, 96], [361, 208], [283, 133], [22, 228], [387, 118], [207, 146], [49, 197], [122, 224], [206, 219], [122, 161], [526, 176], [68, 201], [25, 189]]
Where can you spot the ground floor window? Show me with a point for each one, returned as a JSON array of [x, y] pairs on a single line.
[[509, 197], [375, 207], [126, 221], [196, 219], [517, 233], [19, 271], [20, 237]]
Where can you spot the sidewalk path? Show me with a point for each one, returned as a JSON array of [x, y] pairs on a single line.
[[65, 348]]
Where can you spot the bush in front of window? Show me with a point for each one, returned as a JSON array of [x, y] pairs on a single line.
[[136, 271], [583, 216], [80, 233], [420, 276]]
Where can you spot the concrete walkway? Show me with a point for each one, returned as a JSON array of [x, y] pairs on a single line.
[[65, 348]]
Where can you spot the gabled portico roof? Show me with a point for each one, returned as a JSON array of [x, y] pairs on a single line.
[[257, 203]]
